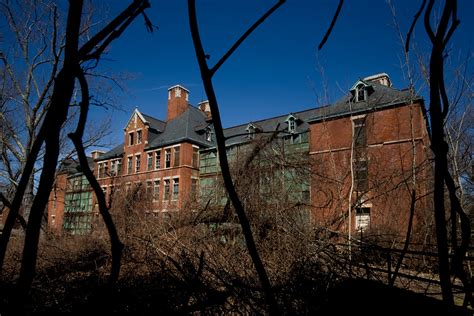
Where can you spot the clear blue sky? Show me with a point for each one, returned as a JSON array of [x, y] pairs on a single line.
[[276, 70]]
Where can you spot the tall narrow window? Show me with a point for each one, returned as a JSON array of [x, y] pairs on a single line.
[[137, 163], [361, 175], [149, 164], [251, 132], [129, 165], [157, 159], [130, 139], [166, 193], [208, 134], [139, 136], [113, 168], [99, 172], [176, 157], [148, 188], [119, 167], [175, 188], [194, 188], [106, 169], [291, 125], [360, 90], [195, 157], [362, 218], [167, 158], [360, 132], [156, 190]]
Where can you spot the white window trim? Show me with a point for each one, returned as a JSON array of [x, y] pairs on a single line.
[[172, 188], [136, 132]]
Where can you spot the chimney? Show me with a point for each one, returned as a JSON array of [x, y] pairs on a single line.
[[96, 153], [381, 78], [205, 108], [178, 97]]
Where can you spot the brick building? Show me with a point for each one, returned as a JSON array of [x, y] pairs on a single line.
[[361, 156]]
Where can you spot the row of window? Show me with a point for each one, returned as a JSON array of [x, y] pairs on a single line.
[[153, 188], [153, 162]]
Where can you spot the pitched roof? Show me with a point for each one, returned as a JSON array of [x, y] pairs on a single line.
[[72, 166], [115, 152], [380, 97], [154, 123], [182, 128], [239, 134]]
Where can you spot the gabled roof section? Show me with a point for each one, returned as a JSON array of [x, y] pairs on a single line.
[[71, 166], [239, 134], [154, 123], [185, 127], [380, 97], [135, 112], [115, 152], [359, 82]]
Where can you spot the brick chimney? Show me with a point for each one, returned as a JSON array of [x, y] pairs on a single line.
[[178, 97], [96, 153], [381, 78], [205, 108]]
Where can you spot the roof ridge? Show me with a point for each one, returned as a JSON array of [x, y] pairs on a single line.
[[277, 116]]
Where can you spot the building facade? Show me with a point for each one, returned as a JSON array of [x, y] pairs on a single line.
[[350, 166]]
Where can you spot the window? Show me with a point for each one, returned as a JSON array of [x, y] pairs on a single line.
[[177, 92], [106, 169], [291, 124], [119, 167], [167, 158], [251, 132], [209, 134], [149, 164], [137, 163], [175, 188], [156, 190], [176, 157], [157, 159], [100, 172], [129, 165], [362, 218], [360, 132], [195, 157], [166, 193], [148, 188], [360, 93], [130, 139], [113, 168], [139, 136], [194, 188], [361, 175]]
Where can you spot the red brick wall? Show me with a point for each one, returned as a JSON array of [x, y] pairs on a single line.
[[56, 209], [390, 161]]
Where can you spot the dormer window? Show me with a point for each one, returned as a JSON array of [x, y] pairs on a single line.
[[251, 132], [208, 134], [291, 125], [360, 93]]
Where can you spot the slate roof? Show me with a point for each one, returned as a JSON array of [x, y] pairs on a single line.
[[239, 134], [379, 97], [155, 123], [191, 125], [72, 166], [115, 152], [182, 128]]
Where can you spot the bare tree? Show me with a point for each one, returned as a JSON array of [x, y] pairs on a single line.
[[73, 59]]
